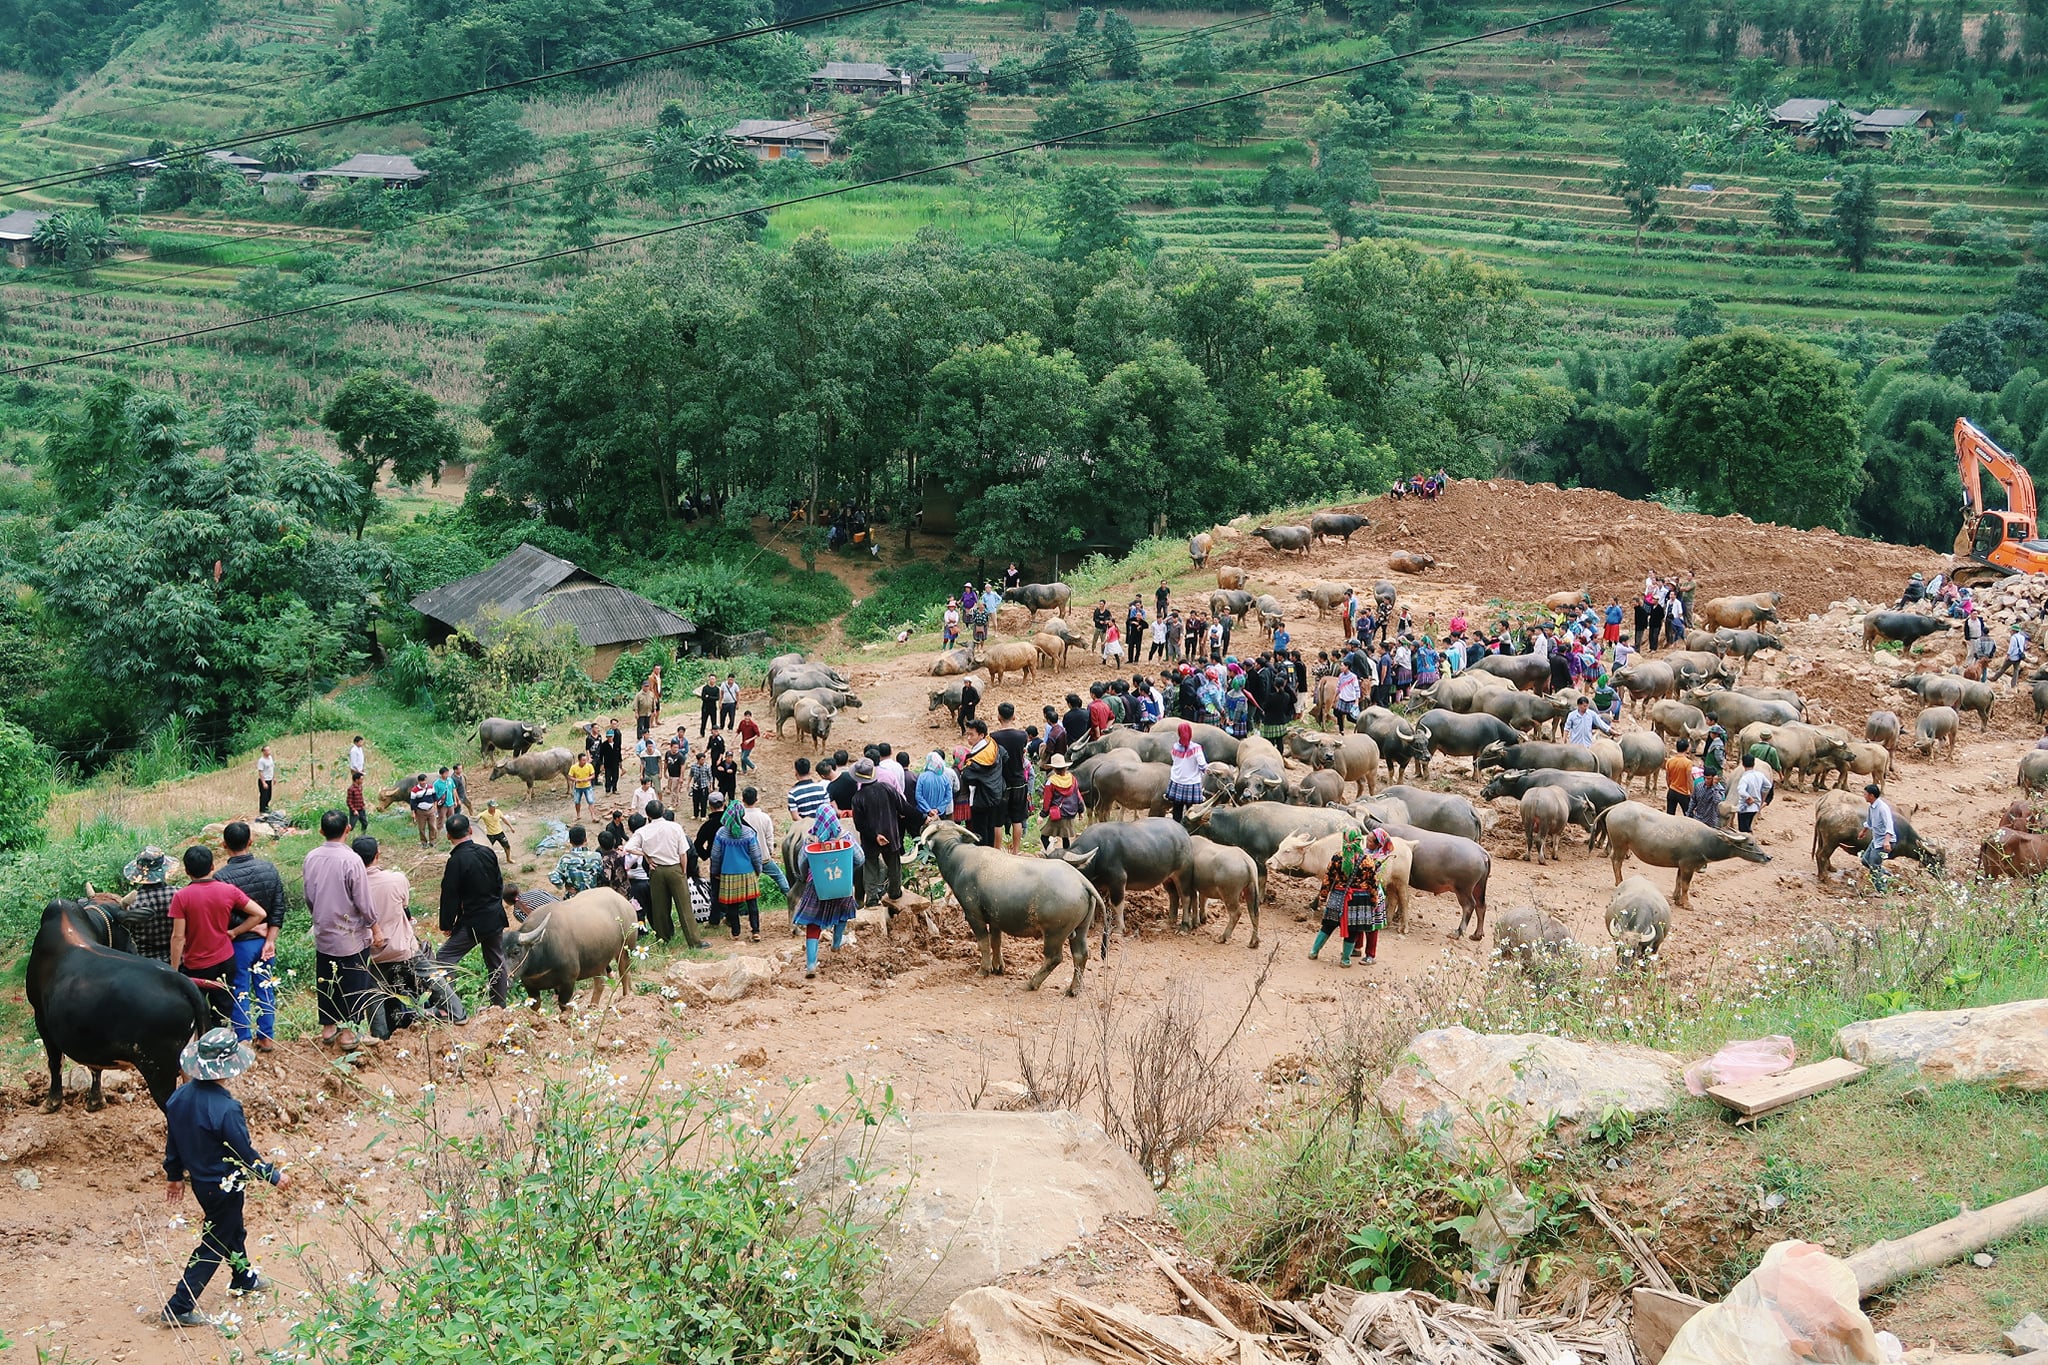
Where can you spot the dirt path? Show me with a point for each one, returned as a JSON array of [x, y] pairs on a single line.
[[90, 1242]]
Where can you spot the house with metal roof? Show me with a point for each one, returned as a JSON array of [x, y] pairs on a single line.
[[1800, 115], [1877, 126], [17, 235], [772, 139], [956, 66], [859, 78], [249, 167], [606, 618], [394, 171]]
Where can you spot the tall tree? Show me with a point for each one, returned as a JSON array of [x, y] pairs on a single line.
[[1649, 162], [381, 424], [582, 197], [1088, 213], [1853, 223], [1751, 422]]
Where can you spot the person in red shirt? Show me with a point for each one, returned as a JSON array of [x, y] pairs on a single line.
[[358, 809], [206, 917], [749, 732], [1098, 712]]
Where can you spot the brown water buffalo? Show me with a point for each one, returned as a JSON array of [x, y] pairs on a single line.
[[1410, 561], [1236, 601], [1326, 596], [1838, 823], [1738, 613], [578, 939], [2007, 853], [1002, 893], [538, 766], [1354, 757], [1038, 597], [832, 698], [1870, 762], [2033, 771], [1013, 656], [1638, 919], [1934, 727], [1287, 538], [1052, 648], [1576, 597], [1229, 875], [1883, 728], [1670, 841], [1546, 811], [1534, 939], [952, 663], [1120, 779], [1906, 627], [1645, 681], [513, 736], [1676, 720], [1231, 576], [1642, 755], [813, 719], [1199, 546], [1327, 526], [393, 796]]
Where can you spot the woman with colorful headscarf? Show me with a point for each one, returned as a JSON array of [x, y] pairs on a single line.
[[1184, 783], [1354, 904], [736, 860], [816, 915], [1237, 710], [1059, 805]]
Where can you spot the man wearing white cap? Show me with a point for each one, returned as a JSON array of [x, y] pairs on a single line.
[[207, 1143]]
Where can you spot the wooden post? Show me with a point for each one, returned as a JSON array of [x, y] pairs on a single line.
[[1884, 1264]]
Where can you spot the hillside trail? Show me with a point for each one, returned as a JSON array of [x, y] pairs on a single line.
[[91, 1246]]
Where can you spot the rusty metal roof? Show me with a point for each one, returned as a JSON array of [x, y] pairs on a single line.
[[558, 592]]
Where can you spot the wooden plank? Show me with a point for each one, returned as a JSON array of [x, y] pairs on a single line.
[[1657, 1316], [1761, 1096]]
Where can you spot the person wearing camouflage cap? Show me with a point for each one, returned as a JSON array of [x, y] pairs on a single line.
[[207, 1144]]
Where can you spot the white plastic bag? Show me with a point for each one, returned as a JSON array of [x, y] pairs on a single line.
[[1741, 1061], [1797, 1308], [1496, 1230]]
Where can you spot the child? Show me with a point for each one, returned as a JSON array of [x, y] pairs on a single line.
[[495, 822], [208, 1141]]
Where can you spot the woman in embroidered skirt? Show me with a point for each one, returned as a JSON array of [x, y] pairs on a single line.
[[813, 914], [1184, 783], [1354, 905], [736, 862]]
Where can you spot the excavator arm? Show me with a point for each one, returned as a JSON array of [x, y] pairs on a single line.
[[1977, 454], [1994, 543]]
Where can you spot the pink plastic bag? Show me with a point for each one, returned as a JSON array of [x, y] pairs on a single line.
[[1741, 1061], [1797, 1308]]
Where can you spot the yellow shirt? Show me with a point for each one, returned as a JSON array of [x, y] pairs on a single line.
[[581, 773], [493, 820]]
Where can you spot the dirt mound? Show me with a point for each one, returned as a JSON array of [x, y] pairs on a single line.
[[1548, 539]]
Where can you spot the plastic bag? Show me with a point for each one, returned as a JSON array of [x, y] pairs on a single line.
[[1797, 1308], [556, 840], [1741, 1061], [1494, 1233]]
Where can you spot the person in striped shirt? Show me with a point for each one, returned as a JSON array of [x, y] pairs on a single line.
[[807, 794]]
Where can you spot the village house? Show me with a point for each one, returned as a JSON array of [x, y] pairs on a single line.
[[607, 619], [17, 235], [395, 171], [956, 66], [772, 139], [859, 78], [1876, 127]]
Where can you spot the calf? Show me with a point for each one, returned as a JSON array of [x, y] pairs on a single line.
[[2008, 853], [99, 1004]]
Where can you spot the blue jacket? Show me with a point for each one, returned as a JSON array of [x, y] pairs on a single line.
[[208, 1138]]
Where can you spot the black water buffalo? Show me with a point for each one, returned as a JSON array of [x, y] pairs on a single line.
[[1135, 855], [1523, 670], [1523, 711], [1156, 746], [1599, 792], [1442, 812], [1259, 827], [1337, 525], [1464, 736], [517, 736], [1038, 597], [1674, 841], [1907, 627], [1838, 823], [99, 1004], [1536, 754], [1286, 537], [1001, 893]]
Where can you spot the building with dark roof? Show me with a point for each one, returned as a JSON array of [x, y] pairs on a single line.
[[956, 66], [17, 235], [392, 170], [1801, 114], [606, 618], [1876, 127], [771, 139], [859, 78]]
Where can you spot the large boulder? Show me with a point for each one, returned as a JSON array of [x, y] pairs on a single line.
[[987, 1193], [2004, 1046], [1444, 1090], [727, 978], [995, 1327]]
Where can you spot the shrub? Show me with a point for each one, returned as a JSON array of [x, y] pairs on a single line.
[[593, 1220], [24, 787], [915, 593]]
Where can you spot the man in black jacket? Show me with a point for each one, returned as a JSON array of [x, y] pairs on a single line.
[[255, 985], [878, 813], [611, 752], [1075, 721], [472, 906]]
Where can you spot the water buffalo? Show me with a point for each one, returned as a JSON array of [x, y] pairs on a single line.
[[1536, 754], [1014, 656], [1232, 576], [1465, 736], [1522, 711], [1935, 689], [1608, 759], [1671, 719], [2039, 693], [1745, 644], [949, 695], [1137, 855], [1156, 746], [952, 663], [1697, 668], [1599, 792], [1534, 939], [1446, 863], [1236, 601], [578, 939], [1002, 893], [1355, 758], [393, 796], [1642, 755], [1638, 918], [1199, 546], [1803, 750], [782, 661], [804, 678], [1441, 812], [1410, 561], [538, 766], [1258, 827], [1574, 597], [1467, 692], [1871, 762], [1838, 823], [1384, 595], [1733, 710], [813, 719], [1523, 670], [1883, 728], [2033, 771], [1294, 538], [1301, 855], [1230, 875], [1400, 745], [1739, 612], [1979, 697], [1319, 788], [1052, 648], [831, 698], [1545, 813], [98, 1003], [1121, 779], [1326, 596], [1326, 526], [1906, 627], [1936, 726], [1670, 841], [1783, 694], [515, 736], [1272, 613], [1645, 681], [1261, 770], [1038, 597]]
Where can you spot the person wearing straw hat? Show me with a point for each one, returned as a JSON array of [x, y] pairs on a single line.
[[1059, 808], [149, 924], [207, 1144]]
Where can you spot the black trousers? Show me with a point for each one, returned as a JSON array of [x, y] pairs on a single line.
[[344, 987], [889, 857], [218, 1002], [705, 719], [1674, 802], [981, 821], [728, 714], [359, 819], [263, 791], [611, 778], [223, 1236], [490, 938]]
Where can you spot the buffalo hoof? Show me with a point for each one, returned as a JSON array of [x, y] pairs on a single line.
[[1254, 943], [51, 1106], [94, 1105], [1476, 936]]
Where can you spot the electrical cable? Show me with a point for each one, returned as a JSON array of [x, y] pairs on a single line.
[[735, 214]]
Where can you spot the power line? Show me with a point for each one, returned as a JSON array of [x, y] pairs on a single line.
[[523, 82], [735, 214], [823, 121]]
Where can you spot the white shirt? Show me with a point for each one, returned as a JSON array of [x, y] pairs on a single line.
[[763, 825], [1159, 632], [266, 768], [1580, 725], [729, 694], [355, 758], [643, 795], [2016, 647], [1190, 767], [1750, 789], [1540, 646]]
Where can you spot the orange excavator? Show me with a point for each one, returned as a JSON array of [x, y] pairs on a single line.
[[1998, 542]]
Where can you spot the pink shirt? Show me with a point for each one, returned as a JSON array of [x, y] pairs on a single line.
[[390, 904]]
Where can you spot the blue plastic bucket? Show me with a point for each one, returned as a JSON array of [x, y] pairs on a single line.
[[831, 868]]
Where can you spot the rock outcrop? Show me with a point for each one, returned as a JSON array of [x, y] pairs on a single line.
[[2004, 1046]]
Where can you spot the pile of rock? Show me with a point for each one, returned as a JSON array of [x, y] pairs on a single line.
[[2019, 598]]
